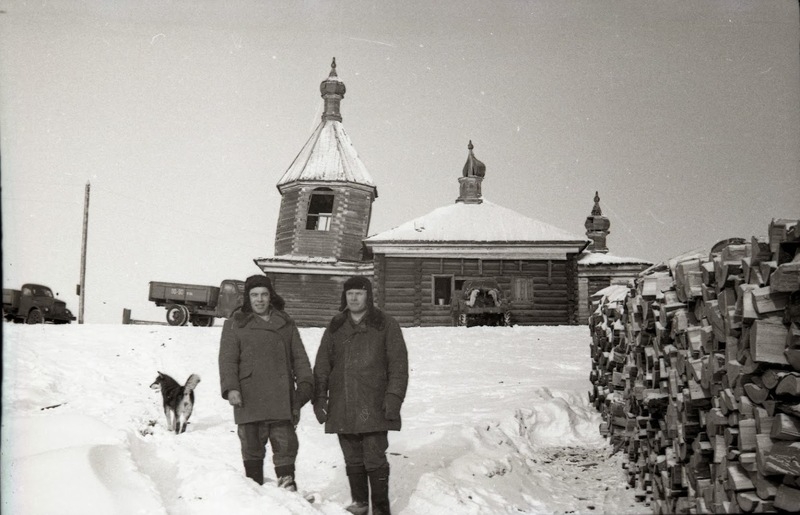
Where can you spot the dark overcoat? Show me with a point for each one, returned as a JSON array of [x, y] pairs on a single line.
[[356, 366], [264, 361]]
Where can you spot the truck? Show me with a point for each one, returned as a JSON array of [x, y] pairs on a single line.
[[34, 304], [197, 304], [481, 302]]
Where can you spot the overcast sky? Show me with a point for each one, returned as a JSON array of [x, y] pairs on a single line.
[[684, 115]]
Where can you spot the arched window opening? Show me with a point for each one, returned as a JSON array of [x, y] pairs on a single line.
[[320, 210]]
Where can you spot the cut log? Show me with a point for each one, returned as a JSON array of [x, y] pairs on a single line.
[[766, 488], [766, 300], [738, 478], [759, 250], [748, 501], [789, 385], [757, 394], [776, 457], [768, 341], [788, 499], [744, 302], [785, 427], [747, 435], [763, 421], [786, 278], [793, 358], [790, 408]]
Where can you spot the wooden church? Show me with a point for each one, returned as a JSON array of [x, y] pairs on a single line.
[[421, 265], [417, 269]]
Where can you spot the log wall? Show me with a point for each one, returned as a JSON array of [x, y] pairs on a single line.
[[404, 288], [696, 372], [311, 299]]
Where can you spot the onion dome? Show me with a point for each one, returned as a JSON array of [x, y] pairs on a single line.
[[332, 91], [473, 167]]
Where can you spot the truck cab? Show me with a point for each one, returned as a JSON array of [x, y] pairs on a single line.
[[34, 304]]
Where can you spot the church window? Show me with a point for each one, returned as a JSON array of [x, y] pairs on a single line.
[[442, 289], [320, 210]]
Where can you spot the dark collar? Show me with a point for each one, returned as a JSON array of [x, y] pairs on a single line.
[[374, 318]]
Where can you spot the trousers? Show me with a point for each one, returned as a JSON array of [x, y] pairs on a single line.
[[365, 449], [254, 437]]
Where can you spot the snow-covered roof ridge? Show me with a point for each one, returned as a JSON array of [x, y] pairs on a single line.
[[328, 156], [601, 258], [484, 222]]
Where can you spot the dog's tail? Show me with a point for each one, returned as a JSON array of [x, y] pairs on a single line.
[[191, 383]]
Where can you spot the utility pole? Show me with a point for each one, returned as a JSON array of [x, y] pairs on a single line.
[[82, 286]]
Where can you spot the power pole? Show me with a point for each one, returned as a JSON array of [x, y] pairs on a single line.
[[82, 287]]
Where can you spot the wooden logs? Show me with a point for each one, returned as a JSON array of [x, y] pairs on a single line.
[[696, 372]]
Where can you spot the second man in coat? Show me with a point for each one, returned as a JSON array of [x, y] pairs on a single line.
[[361, 376]]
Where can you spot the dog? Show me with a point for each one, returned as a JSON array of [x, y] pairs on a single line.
[[178, 400]]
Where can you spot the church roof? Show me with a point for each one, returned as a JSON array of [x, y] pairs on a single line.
[[480, 223], [328, 155]]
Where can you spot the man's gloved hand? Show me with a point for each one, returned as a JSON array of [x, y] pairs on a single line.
[[321, 409], [235, 398], [302, 395], [391, 406]]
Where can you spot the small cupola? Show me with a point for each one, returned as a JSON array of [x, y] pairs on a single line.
[[332, 91], [471, 179], [597, 227]]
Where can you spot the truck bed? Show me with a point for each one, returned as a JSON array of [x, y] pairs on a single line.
[[11, 297], [179, 293]]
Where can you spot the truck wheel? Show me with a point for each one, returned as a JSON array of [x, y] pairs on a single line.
[[177, 315], [202, 321], [34, 317]]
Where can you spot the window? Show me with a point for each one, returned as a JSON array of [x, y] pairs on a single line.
[[320, 210], [442, 289], [522, 289]]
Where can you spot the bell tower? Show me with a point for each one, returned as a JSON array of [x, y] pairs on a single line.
[[327, 192], [469, 184], [597, 227]]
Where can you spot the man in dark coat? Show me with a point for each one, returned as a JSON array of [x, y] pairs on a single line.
[[361, 375], [265, 375]]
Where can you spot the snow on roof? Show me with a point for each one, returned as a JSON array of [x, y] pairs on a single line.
[[599, 258], [299, 259], [475, 222], [328, 155], [613, 293]]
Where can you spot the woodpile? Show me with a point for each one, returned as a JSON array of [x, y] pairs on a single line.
[[696, 371]]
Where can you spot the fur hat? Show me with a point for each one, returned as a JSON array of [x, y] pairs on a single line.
[[357, 282], [255, 281]]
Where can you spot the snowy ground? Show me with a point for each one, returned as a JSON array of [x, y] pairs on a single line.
[[496, 420]]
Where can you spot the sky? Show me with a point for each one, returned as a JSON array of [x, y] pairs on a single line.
[[83, 433], [684, 115]]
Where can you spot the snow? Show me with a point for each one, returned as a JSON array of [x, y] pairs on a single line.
[[496, 420], [601, 258], [475, 223]]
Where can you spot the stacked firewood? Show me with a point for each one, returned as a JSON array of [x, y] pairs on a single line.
[[696, 370]]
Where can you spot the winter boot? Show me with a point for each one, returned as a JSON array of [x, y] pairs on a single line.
[[285, 475], [359, 490], [379, 484], [254, 469]]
